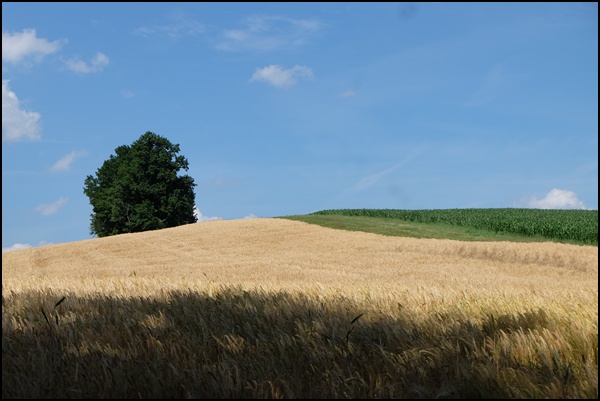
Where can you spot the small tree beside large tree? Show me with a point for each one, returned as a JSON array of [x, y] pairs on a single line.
[[138, 189]]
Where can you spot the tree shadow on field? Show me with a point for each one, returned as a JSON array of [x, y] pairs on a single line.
[[237, 343]]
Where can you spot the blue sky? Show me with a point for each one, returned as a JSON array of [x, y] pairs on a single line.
[[291, 108]]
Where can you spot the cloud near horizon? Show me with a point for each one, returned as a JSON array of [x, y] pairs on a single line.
[[557, 199], [18, 246], [279, 77], [17, 123], [202, 218]]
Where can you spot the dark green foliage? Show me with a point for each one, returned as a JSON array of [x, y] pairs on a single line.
[[138, 189], [576, 225]]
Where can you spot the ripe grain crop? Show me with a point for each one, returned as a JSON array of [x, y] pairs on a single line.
[[272, 308]]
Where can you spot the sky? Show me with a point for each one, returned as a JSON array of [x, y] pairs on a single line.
[[291, 108]]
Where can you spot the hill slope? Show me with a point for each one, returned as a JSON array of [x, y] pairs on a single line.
[[273, 308], [290, 254]]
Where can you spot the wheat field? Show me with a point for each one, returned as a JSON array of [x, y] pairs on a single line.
[[273, 308]]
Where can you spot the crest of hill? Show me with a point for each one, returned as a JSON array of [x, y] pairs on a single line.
[[281, 252]]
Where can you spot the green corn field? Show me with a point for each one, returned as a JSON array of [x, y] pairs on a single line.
[[569, 225]]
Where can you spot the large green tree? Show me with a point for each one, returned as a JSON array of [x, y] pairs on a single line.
[[138, 189]]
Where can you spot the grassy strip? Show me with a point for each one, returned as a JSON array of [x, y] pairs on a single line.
[[399, 228]]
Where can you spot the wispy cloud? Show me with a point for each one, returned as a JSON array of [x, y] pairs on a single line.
[[48, 209], [348, 93], [372, 179], [127, 94], [557, 199], [279, 77], [264, 33], [202, 218], [64, 164], [180, 27], [99, 61], [251, 216], [25, 45], [17, 123], [496, 81]]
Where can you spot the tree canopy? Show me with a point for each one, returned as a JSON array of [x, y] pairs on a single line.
[[138, 189]]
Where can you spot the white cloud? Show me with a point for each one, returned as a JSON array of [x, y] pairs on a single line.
[[19, 246], [251, 216], [282, 78], [201, 218], [18, 46], [64, 164], [97, 64], [557, 199], [268, 33], [47, 209], [16, 247], [17, 123]]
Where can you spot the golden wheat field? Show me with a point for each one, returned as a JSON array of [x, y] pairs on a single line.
[[273, 308]]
